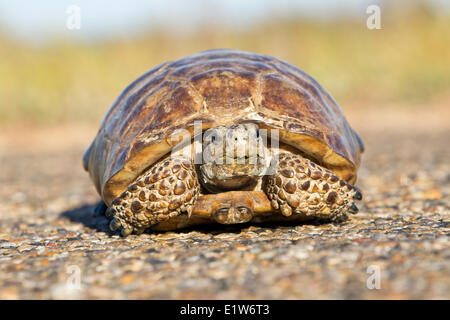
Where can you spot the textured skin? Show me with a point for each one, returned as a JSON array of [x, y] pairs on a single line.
[[219, 87], [302, 187], [169, 188]]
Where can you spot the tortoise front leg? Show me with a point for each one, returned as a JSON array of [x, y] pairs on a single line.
[[170, 187], [302, 187]]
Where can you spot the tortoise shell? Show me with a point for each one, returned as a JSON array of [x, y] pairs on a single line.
[[218, 87]]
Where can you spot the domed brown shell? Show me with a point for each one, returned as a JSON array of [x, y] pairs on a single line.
[[218, 87]]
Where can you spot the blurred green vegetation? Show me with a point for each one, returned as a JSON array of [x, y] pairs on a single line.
[[407, 62]]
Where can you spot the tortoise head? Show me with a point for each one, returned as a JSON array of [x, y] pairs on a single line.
[[232, 206], [233, 157]]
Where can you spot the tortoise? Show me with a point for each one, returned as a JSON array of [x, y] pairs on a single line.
[[224, 136]]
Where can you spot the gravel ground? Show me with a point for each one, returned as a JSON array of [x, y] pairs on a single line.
[[53, 246]]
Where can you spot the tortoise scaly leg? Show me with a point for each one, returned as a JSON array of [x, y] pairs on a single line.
[[164, 191], [302, 187]]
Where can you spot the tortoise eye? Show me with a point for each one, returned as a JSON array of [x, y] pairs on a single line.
[[222, 211]]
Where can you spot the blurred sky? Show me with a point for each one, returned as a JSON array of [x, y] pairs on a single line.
[[103, 19]]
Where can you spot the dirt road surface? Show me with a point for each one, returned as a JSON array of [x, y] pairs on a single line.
[[53, 246]]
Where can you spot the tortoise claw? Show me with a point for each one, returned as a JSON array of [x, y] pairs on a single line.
[[353, 209], [109, 213], [115, 224], [358, 195], [286, 210], [126, 231]]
